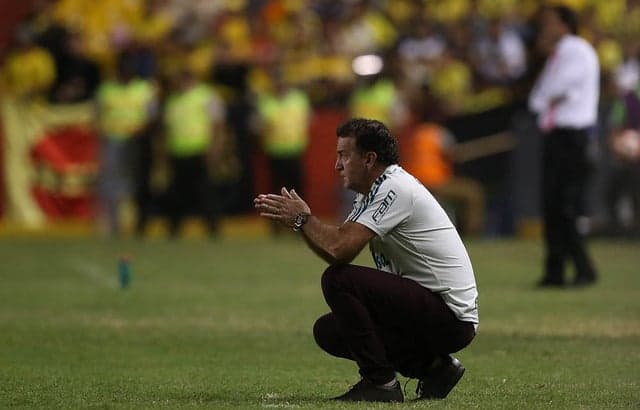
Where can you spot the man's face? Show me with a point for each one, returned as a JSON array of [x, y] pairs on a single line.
[[351, 165]]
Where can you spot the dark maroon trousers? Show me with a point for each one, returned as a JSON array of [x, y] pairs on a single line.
[[386, 323]]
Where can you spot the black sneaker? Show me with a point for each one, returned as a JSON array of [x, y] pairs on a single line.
[[441, 379], [367, 391], [550, 283], [584, 281]]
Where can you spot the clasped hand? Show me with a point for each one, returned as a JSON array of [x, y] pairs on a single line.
[[282, 208]]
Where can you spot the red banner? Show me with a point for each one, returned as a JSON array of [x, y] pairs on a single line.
[[65, 166]]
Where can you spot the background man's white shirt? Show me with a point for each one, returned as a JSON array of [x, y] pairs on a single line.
[[416, 240], [571, 71]]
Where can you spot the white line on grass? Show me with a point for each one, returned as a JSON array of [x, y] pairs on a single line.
[[94, 272]]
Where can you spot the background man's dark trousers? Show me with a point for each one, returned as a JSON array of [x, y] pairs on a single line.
[[565, 173]]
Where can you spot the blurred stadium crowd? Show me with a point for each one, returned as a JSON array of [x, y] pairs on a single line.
[[262, 84]]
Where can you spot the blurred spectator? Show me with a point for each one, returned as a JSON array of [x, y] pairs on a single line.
[[452, 83], [29, 70], [376, 97], [365, 29], [194, 123], [106, 26], [449, 11], [78, 77], [424, 42], [627, 73], [233, 29], [284, 127], [155, 23], [623, 193], [459, 39], [565, 98], [230, 78], [499, 56], [420, 51], [126, 106]]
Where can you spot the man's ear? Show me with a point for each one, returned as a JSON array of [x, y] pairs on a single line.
[[371, 158]]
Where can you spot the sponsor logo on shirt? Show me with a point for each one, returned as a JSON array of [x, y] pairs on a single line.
[[384, 206]]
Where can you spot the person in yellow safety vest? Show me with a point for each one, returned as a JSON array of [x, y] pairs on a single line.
[[193, 125], [376, 97], [126, 106], [284, 119]]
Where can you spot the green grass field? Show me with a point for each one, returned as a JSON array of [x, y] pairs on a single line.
[[227, 324]]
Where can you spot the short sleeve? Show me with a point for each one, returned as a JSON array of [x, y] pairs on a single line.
[[384, 209]]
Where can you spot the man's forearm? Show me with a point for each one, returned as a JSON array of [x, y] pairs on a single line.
[[318, 251], [334, 244], [327, 242]]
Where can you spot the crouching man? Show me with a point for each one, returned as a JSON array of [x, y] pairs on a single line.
[[420, 303]]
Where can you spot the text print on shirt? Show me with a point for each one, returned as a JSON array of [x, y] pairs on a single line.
[[380, 260], [384, 206]]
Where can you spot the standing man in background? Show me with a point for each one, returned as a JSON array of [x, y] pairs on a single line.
[[126, 106], [565, 98], [194, 123], [284, 116]]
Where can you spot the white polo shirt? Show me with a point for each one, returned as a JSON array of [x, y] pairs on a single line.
[[416, 240], [572, 71]]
